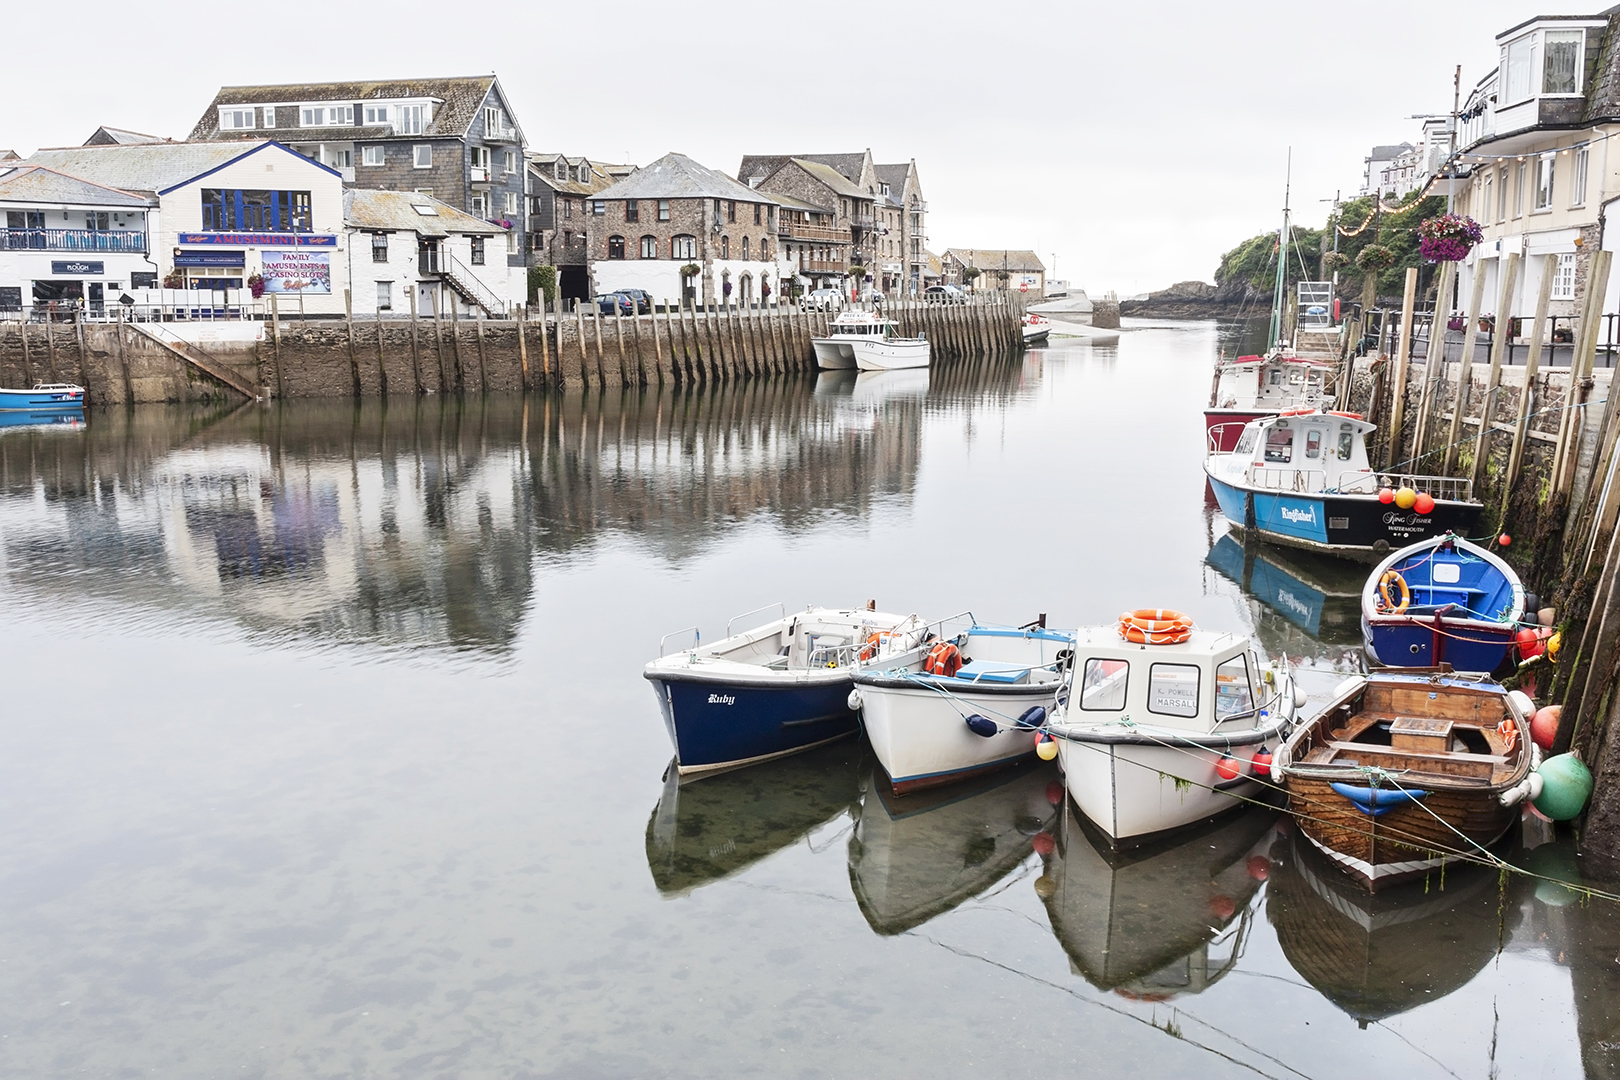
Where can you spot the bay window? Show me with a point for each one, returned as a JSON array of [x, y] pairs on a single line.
[[1561, 61]]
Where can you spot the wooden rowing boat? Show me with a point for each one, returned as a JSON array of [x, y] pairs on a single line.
[[1402, 772]]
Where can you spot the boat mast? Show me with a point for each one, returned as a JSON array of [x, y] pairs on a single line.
[[1281, 287]]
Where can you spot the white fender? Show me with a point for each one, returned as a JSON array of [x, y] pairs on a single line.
[[855, 700], [1522, 703], [1300, 696]]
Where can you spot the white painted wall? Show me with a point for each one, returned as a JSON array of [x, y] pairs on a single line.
[[400, 271], [20, 268], [274, 169]]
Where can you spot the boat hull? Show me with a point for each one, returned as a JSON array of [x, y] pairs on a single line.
[[1402, 641], [833, 355], [1350, 526], [719, 723], [919, 736], [1133, 790], [1036, 335], [41, 401], [1406, 842], [891, 355]]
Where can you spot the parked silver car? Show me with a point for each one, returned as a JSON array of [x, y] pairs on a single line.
[[944, 294], [821, 300]]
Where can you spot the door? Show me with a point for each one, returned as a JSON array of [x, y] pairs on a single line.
[[425, 293], [98, 305], [427, 257]]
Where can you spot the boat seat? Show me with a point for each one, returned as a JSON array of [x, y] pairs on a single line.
[[1453, 766], [993, 671]]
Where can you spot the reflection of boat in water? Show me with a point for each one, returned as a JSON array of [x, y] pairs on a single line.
[[1166, 919], [913, 858], [705, 830], [876, 386], [1319, 595], [53, 420], [1378, 954]]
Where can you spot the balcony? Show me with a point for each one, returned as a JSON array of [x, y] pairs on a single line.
[[815, 234], [821, 266], [480, 174], [507, 134], [128, 241], [861, 221]]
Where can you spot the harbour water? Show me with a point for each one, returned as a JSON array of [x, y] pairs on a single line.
[[326, 753]]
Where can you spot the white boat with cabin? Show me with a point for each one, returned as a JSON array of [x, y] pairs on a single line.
[[1153, 737]]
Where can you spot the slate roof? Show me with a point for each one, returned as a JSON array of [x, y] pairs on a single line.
[[997, 259], [602, 176], [676, 176], [1390, 153], [832, 178], [848, 165], [458, 100], [36, 184], [10, 155], [111, 136], [395, 211], [143, 167], [788, 202]]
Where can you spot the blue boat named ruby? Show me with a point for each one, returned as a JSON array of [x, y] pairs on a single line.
[[44, 397], [1442, 601]]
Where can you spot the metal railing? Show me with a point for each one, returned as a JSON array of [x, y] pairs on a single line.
[[820, 234], [1447, 488], [125, 240], [1272, 478], [462, 277]]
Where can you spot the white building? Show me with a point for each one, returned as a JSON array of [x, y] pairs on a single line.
[[69, 243], [229, 212], [401, 243]]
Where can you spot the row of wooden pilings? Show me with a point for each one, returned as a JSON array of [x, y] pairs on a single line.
[[1541, 446], [702, 343]]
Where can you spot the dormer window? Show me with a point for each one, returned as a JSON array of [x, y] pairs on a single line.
[[376, 115], [1542, 62], [560, 171], [584, 173], [1561, 61], [235, 119]]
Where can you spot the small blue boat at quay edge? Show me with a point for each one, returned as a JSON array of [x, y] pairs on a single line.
[[1442, 601], [44, 397], [776, 689]]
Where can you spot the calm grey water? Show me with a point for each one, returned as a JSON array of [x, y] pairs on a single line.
[[325, 753]]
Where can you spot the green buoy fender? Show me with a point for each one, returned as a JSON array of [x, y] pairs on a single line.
[[1566, 784]]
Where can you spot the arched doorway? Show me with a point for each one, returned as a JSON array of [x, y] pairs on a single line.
[[745, 290]]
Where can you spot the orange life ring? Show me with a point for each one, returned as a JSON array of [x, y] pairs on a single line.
[[1155, 626], [1296, 412], [1509, 732], [874, 644], [1392, 577], [943, 659], [1348, 415]]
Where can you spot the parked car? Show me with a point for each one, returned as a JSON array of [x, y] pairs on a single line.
[[608, 303], [642, 297], [944, 294], [822, 300]]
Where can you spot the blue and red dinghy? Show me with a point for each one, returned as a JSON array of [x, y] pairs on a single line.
[[1442, 601]]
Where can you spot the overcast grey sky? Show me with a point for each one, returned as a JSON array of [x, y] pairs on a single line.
[[1136, 141]]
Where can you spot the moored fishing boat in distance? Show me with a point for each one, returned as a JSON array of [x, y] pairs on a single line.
[[1302, 479], [1037, 328], [1164, 725], [864, 341], [1255, 387], [1403, 771], [44, 397], [1442, 601], [776, 689], [973, 706]]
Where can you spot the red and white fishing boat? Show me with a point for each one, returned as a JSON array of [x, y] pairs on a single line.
[[1257, 387]]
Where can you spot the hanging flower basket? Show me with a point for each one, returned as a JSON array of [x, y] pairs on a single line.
[[1375, 257], [255, 284], [1332, 260], [1448, 238]]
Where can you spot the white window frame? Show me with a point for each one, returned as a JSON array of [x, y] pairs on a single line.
[[478, 206], [494, 120], [511, 204], [269, 117], [1545, 178], [1518, 189], [422, 156], [374, 155], [509, 161], [1579, 35], [1517, 78], [312, 116], [385, 296], [230, 119], [480, 157], [1563, 272], [412, 119], [1583, 165], [375, 115]]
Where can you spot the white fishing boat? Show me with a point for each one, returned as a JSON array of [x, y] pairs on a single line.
[[837, 351], [974, 705], [890, 353], [1037, 328], [1164, 725]]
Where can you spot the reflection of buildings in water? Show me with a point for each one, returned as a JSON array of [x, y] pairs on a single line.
[[711, 827], [1163, 920], [1378, 954], [417, 522], [917, 856]]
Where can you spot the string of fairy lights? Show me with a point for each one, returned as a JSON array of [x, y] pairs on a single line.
[[1460, 159]]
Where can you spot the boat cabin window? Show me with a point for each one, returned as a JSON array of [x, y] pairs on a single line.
[[1103, 687], [1313, 444], [1276, 377], [1346, 441], [1245, 444], [1173, 689], [1280, 445], [1234, 693]]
